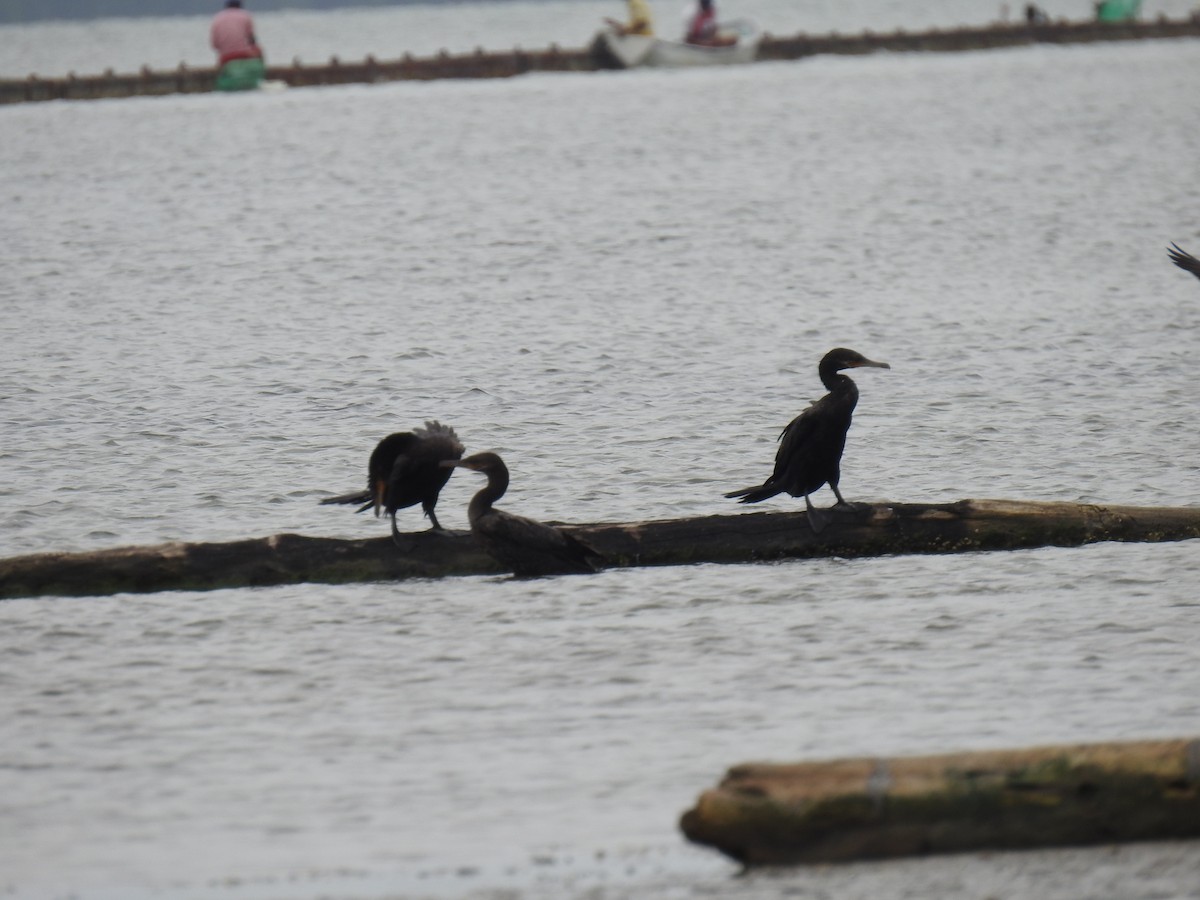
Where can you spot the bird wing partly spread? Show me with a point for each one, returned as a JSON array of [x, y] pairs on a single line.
[[1184, 260]]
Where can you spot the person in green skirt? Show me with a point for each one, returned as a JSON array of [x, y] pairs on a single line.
[[239, 57], [1118, 10]]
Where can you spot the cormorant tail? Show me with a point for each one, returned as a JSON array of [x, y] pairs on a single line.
[[755, 494], [363, 497]]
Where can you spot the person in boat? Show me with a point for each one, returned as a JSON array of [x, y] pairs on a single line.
[[239, 56], [639, 22], [702, 28], [1035, 15]]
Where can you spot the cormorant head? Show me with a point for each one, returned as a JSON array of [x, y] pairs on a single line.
[[478, 462], [841, 358]]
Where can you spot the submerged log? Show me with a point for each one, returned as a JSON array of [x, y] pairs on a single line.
[[853, 809], [865, 530]]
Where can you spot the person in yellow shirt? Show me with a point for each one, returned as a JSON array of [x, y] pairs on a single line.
[[639, 22]]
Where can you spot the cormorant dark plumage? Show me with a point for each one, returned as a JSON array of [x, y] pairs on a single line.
[[526, 547], [1184, 260], [406, 469], [810, 454]]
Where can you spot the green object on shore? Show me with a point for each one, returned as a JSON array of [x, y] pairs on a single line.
[[241, 75], [1117, 10]]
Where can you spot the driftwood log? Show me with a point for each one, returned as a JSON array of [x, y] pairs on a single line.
[[865, 530], [853, 809]]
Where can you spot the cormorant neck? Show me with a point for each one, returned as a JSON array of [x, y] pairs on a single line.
[[834, 380], [497, 484]]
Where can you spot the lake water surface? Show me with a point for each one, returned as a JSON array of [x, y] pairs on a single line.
[[215, 305]]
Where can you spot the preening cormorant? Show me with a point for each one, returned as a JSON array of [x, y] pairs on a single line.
[[810, 454], [1184, 260], [406, 469], [526, 547]]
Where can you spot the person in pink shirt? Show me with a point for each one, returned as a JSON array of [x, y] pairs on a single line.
[[703, 25], [704, 30], [232, 34]]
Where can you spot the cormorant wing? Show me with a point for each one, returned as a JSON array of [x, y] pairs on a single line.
[[796, 435], [1184, 260], [400, 467], [530, 547], [382, 465]]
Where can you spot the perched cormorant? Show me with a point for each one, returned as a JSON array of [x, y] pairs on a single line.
[[406, 469], [1184, 260], [811, 452], [527, 547]]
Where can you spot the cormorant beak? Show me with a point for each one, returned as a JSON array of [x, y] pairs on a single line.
[[462, 464], [870, 363], [380, 492]]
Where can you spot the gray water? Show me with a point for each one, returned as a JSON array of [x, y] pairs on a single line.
[[214, 306]]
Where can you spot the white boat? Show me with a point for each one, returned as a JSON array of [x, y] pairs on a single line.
[[628, 51]]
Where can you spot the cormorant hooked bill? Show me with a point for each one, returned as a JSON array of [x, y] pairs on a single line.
[[526, 547], [1184, 260], [810, 454], [406, 469]]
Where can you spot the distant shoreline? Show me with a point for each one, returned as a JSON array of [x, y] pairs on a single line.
[[506, 64], [17, 12]]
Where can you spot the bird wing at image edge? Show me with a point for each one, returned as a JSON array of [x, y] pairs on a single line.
[[1184, 260]]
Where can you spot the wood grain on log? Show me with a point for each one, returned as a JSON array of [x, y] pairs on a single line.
[[842, 810]]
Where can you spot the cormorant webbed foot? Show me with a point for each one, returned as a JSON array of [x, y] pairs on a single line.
[[817, 519]]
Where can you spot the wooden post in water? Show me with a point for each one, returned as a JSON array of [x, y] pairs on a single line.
[[865, 530]]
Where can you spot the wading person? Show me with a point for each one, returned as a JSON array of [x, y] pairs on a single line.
[[239, 57]]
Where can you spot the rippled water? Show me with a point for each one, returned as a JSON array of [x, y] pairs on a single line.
[[215, 305]]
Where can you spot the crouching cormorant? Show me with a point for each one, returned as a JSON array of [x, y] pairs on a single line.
[[526, 547], [811, 452], [1184, 260], [406, 469]]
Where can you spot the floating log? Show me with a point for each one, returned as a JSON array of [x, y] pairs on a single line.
[[867, 529], [854, 809], [481, 64]]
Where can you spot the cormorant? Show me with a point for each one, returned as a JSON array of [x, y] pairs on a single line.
[[406, 469], [811, 452], [1184, 260], [526, 547]]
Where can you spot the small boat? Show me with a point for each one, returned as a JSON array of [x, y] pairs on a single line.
[[628, 51]]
